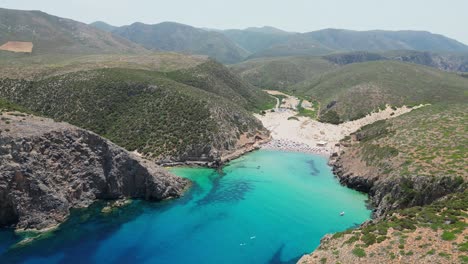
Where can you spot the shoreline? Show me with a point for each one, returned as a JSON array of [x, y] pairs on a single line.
[[294, 146]]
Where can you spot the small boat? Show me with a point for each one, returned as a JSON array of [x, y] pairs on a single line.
[[253, 237], [342, 213]]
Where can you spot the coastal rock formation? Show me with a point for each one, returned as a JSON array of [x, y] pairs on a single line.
[[392, 193], [47, 167]]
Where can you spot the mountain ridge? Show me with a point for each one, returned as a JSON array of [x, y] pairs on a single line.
[[54, 35]]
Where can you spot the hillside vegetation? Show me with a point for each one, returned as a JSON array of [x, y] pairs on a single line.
[[215, 78], [357, 89], [430, 141], [282, 72], [42, 66], [54, 35], [142, 110]]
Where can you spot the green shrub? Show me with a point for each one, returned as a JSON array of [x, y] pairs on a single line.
[[449, 236], [463, 247], [368, 239], [359, 252], [331, 117]]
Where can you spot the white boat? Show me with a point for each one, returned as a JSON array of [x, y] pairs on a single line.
[[342, 213]]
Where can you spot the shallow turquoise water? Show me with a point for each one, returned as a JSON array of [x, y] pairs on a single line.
[[266, 207]]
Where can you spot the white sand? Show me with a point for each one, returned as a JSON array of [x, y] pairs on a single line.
[[303, 135]]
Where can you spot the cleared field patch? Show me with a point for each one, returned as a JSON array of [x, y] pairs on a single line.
[[17, 46]]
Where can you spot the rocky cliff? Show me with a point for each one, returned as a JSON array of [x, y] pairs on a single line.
[[393, 193], [47, 167]]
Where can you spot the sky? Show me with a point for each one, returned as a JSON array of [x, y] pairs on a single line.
[[446, 17]]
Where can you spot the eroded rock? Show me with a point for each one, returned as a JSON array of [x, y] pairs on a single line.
[[47, 167]]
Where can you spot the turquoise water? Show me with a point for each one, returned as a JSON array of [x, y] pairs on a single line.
[[266, 207]]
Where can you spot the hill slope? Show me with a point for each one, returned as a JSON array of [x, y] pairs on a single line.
[[217, 79], [169, 36], [281, 72], [357, 89], [146, 111], [55, 35]]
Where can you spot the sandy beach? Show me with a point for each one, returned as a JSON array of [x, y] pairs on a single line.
[[311, 136]]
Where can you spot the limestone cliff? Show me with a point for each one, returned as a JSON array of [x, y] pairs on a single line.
[[47, 167]]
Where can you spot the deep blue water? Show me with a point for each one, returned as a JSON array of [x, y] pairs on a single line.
[[266, 207]]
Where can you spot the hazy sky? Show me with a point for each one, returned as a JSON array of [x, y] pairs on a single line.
[[447, 17]]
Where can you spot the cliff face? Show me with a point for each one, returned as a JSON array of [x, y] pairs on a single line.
[[392, 193], [46, 168]]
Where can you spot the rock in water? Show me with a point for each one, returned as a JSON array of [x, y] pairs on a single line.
[[48, 167]]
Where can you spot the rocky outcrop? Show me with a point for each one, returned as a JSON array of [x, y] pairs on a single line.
[[405, 192], [398, 192], [443, 62], [46, 168]]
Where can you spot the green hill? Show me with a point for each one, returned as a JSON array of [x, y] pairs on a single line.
[[169, 36], [216, 78], [55, 35], [357, 89], [140, 110], [281, 72]]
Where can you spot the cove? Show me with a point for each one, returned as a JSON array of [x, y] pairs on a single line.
[[265, 207]]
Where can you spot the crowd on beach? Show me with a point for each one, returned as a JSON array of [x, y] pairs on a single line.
[[289, 145]]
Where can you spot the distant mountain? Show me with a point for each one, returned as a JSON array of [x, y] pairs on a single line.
[[316, 42], [169, 36], [55, 35], [257, 39], [380, 40], [103, 26], [294, 45], [268, 30]]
